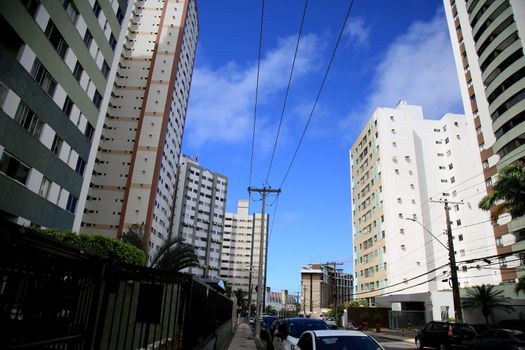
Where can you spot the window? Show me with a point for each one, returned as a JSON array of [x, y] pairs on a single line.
[[97, 99], [112, 42], [57, 145], [403, 247], [482, 146], [460, 237], [488, 182], [458, 222], [89, 131], [81, 165], [451, 166], [120, 15], [462, 252], [28, 120], [446, 140], [44, 187], [68, 105], [43, 78], [452, 179], [56, 39], [485, 164], [77, 72], [88, 38], [31, 6], [96, 8], [14, 168], [71, 10], [71, 204], [105, 69], [499, 241]]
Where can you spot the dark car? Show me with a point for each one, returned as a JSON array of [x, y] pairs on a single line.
[[445, 335], [266, 324], [501, 339], [288, 331]]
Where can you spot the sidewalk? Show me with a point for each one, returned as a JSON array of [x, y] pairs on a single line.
[[394, 334], [243, 338]]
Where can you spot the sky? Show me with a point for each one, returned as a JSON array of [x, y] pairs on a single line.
[[390, 50]]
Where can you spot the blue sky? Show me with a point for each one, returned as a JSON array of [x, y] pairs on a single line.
[[390, 50]]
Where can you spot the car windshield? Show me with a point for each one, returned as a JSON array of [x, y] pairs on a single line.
[[346, 343], [296, 328]]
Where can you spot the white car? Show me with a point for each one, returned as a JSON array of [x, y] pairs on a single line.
[[332, 339], [330, 321], [288, 331]]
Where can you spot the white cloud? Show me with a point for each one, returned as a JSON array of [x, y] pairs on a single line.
[[417, 67], [357, 31], [222, 100]]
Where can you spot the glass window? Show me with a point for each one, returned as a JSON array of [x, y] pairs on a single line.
[[71, 10], [105, 69], [346, 342], [68, 105], [120, 15], [43, 78], [88, 38], [96, 8], [31, 6], [29, 120], [97, 99], [112, 42], [77, 72], [14, 168], [71, 204], [56, 39], [45, 185], [89, 131], [57, 145], [81, 165]]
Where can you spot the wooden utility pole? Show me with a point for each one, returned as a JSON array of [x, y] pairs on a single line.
[[263, 191], [452, 260]]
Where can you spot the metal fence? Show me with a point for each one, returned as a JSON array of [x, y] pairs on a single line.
[[55, 296], [406, 319]]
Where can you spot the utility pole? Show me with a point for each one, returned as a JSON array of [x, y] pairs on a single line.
[[263, 191], [452, 260], [335, 293]]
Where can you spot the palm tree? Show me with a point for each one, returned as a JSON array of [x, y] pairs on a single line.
[[508, 194], [520, 286], [488, 299], [173, 255], [242, 299]]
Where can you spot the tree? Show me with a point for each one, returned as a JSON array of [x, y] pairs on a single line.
[[520, 286], [228, 289], [488, 299], [270, 310], [242, 299], [173, 255], [508, 194]]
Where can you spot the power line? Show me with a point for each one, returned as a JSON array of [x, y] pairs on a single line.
[[287, 89], [319, 92], [256, 92]]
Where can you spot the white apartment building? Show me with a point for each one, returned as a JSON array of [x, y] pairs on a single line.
[[134, 177], [399, 161], [488, 41], [198, 217], [240, 249], [58, 61]]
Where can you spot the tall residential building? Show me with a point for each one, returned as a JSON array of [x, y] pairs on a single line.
[[135, 174], [57, 65], [240, 249], [198, 217], [323, 286], [398, 163], [488, 40]]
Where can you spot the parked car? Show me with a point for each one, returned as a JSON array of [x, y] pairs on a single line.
[[501, 339], [337, 339], [445, 335], [265, 325], [330, 321], [288, 331]]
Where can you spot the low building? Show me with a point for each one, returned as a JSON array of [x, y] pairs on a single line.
[[282, 301]]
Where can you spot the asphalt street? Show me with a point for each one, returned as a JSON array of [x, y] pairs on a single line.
[[389, 344]]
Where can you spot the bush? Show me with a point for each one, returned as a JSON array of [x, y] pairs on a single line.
[[100, 245]]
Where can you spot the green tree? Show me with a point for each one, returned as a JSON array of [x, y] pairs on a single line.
[[228, 289], [488, 299], [173, 255], [242, 299], [508, 194], [270, 310], [520, 286]]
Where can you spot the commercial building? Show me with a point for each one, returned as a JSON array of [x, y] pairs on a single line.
[[240, 256], [135, 174], [322, 287], [198, 215], [488, 40], [399, 163], [57, 65], [283, 302]]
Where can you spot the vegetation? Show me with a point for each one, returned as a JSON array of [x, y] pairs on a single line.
[[242, 300], [228, 289], [487, 299], [173, 255], [270, 310], [508, 194], [99, 245]]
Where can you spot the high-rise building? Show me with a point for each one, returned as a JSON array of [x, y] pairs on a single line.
[[57, 65], [488, 41], [135, 174], [198, 216], [240, 255], [322, 287], [399, 162]]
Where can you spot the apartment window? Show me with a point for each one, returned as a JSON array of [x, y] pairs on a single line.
[[105, 69], [28, 120], [77, 72], [45, 185], [88, 38], [460, 237], [56, 39], [71, 204], [478, 130], [31, 6], [451, 166], [68, 106], [452, 179], [482, 146], [89, 131], [96, 8], [462, 253], [440, 155], [120, 15], [458, 222], [400, 215], [81, 165], [112, 42], [499, 241], [71, 10], [485, 164], [57, 145], [393, 131], [464, 268], [488, 182], [97, 99], [403, 247], [449, 153], [43, 78], [14, 168]]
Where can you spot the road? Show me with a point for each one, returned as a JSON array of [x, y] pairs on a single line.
[[389, 344]]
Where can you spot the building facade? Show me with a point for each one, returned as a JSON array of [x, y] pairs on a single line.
[[58, 64], [488, 40], [283, 302], [135, 171], [198, 215], [241, 243], [322, 287], [400, 163]]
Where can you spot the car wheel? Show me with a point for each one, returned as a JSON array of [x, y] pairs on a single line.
[[442, 347], [418, 344]]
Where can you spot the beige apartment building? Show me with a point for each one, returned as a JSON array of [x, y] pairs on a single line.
[[135, 172], [488, 41]]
